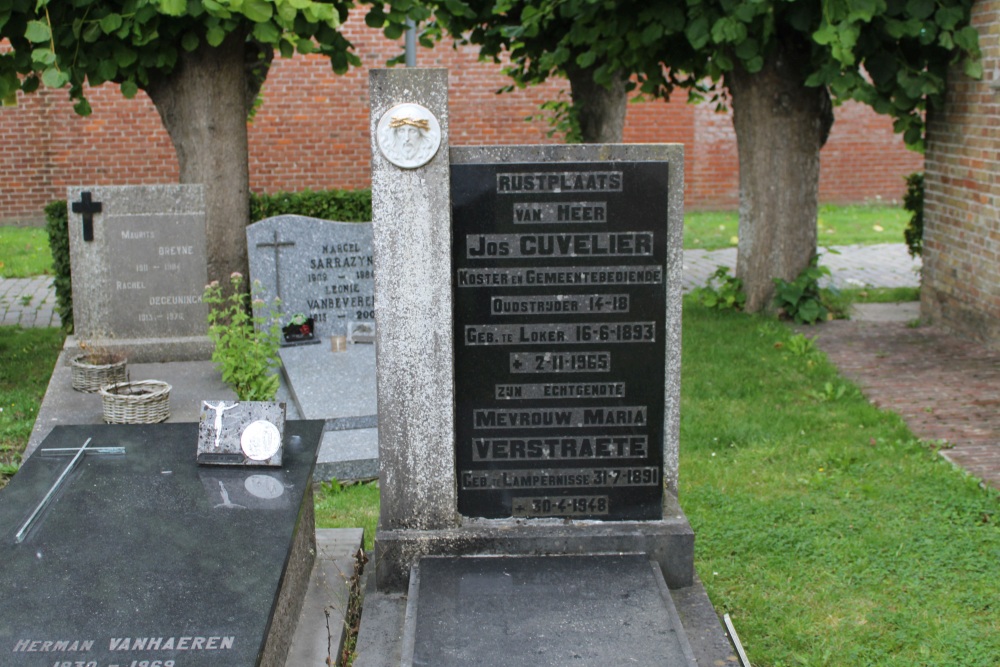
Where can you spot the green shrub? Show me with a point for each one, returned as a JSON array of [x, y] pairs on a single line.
[[804, 301], [246, 340], [341, 205], [57, 226], [727, 295], [913, 201]]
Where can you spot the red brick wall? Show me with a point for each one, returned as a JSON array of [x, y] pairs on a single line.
[[961, 279], [312, 132]]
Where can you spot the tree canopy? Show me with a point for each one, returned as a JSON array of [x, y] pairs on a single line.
[[890, 54], [780, 65], [131, 42]]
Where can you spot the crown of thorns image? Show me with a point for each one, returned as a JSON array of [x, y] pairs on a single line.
[[419, 123]]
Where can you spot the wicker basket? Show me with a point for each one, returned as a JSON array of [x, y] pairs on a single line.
[[91, 377], [144, 402]]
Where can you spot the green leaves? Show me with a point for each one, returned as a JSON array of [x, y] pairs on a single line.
[[920, 9], [258, 11], [37, 32], [43, 57], [173, 7], [802, 299], [129, 88], [697, 33], [53, 78], [215, 35], [728, 29], [110, 23], [266, 32], [721, 291], [189, 41]]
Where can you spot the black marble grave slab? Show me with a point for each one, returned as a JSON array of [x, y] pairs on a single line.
[[560, 338], [144, 558], [586, 611]]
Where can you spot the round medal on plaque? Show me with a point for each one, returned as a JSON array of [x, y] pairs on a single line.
[[260, 440]]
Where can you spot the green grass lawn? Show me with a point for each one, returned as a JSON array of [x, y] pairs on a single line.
[[28, 358], [348, 506], [24, 252], [837, 225], [823, 527]]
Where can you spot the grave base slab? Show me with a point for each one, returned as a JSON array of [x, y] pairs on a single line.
[[551, 610], [669, 542], [148, 350]]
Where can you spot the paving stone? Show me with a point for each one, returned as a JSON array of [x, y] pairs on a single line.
[[944, 387]]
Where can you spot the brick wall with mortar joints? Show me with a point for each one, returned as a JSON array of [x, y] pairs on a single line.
[[311, 131], [961, 279]]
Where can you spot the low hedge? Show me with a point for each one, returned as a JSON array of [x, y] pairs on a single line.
[[340, 205], [57, 227]]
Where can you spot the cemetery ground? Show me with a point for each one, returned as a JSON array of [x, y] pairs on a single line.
[[824, 527], [826, 530]]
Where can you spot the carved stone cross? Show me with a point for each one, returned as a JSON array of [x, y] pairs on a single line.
[[277, 245], [87, 208]]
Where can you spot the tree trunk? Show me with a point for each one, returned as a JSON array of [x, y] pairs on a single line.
[[780, 127], [203, 106], [600, 110]]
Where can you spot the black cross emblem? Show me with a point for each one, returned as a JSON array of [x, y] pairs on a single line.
[[277, 245], [87, 207]]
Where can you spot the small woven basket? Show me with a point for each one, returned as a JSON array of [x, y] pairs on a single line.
[[91, 377], [143, 402]]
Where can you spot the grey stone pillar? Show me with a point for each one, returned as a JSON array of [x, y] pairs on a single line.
[[411, 212]]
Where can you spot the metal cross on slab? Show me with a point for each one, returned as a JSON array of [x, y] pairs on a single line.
[[87, 208], [277, 245], [62, 451]]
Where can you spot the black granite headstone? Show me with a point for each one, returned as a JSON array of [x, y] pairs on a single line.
[[141, 557], [560, 302]]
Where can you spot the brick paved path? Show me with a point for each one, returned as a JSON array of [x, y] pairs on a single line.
[[882, 265], [944, 387], [29, 302]]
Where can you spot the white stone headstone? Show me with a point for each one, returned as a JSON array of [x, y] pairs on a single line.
[[319, 268], [139, 263]]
